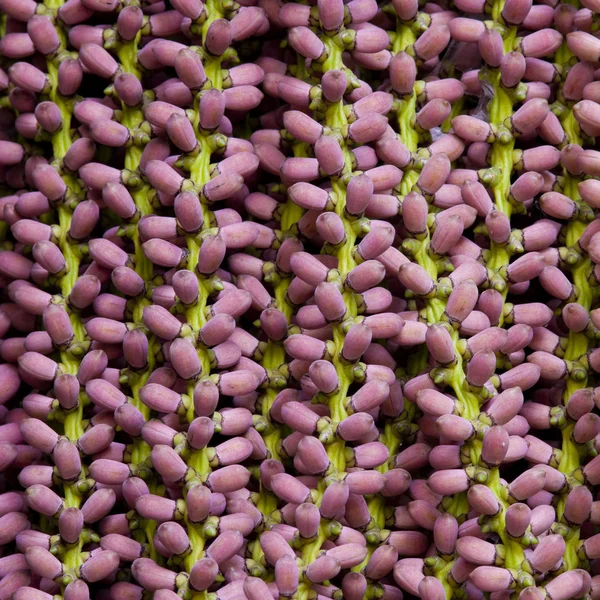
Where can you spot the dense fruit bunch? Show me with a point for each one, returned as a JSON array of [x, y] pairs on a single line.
[[299, 300]]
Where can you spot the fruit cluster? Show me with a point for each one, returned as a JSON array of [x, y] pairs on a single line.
[[299, 300]]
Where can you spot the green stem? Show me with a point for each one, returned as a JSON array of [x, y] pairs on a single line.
[[196, 314], [132, 118], [500, 109], [61, 142], [434, 307], [405, 37], [274, 355], [335, 118], [577, 343]]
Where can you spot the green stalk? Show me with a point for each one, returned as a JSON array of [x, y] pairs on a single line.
[[132, 118], [273, 358], [196, 318], [577, 343], [404, 39], [274, 355], [196, 315], [61, 142], [435, 306], [335, 118], [500, 109]]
